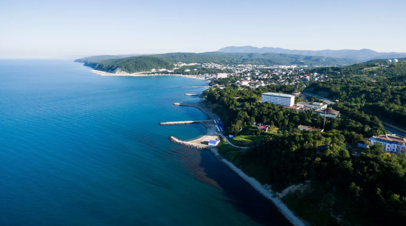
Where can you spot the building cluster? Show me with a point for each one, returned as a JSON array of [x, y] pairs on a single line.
[[393, 60], [279, 76], [288, 101], [259, 74]]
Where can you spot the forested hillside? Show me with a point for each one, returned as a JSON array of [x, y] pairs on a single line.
[[253, 58], [364, 189], [376, 88], [131, 64], [145, 63]]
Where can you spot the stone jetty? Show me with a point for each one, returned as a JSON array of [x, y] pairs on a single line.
[[189, 144]]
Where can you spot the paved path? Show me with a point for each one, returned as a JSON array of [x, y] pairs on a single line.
[[233, 144], [394, 130], [319, 97]]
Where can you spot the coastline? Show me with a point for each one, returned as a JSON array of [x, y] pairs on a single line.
[[266, 192], [141, 74]]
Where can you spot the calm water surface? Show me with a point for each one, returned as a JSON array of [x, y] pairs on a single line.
[[80, 149]]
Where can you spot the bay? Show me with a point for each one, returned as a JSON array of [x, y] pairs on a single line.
[[81, 149]]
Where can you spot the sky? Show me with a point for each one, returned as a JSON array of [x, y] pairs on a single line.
[[71, 29]]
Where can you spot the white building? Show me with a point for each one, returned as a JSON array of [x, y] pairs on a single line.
[[245, 83], [222, 75], [389, 61], [395, 60], [312, 105], [390, 142], [279, 99]]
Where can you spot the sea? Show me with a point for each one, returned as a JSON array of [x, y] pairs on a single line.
[[77, 148]]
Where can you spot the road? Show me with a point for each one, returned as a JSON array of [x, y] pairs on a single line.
[[393, 130], [319, 97], [232, 143]]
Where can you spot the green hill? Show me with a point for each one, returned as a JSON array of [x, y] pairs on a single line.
[[267, 59], [144, 63], [130, 64]]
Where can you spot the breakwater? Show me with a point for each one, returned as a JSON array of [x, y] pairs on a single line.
[[189, 144]]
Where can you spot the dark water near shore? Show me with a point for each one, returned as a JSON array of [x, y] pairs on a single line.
[[80, 149]]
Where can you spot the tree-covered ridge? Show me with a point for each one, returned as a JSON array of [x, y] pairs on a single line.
[[365, 190], [369, 189], [375, 88], [377, 69], [266, 59], [131, 64], [145, 63], [241, 108]]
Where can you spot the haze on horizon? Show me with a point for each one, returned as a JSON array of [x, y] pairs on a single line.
[[61, 29]]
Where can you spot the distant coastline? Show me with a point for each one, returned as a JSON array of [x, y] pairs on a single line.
[[141, 74]]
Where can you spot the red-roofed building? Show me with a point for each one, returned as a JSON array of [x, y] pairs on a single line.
[[264, 128]]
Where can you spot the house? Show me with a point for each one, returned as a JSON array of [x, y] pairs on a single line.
[[328, 113], [222, 75], [245, 83], [264, 128], [312, 105], [294, 107], [390, 142], [309, 128], [214, 143]]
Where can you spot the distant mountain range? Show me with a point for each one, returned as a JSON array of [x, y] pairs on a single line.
[[360, 55]]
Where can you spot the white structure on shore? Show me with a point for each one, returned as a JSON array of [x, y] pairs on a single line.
[[390, 142], [279, 99]]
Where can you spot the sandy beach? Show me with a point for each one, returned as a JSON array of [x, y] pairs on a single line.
[[141, 74]]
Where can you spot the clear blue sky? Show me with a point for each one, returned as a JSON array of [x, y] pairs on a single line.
[[69, 29]]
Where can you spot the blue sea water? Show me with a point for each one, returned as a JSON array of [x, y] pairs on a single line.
[[81, 149]]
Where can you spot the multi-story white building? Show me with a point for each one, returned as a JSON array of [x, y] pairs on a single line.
[[390, 142], [279, 99], [312, 105]]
